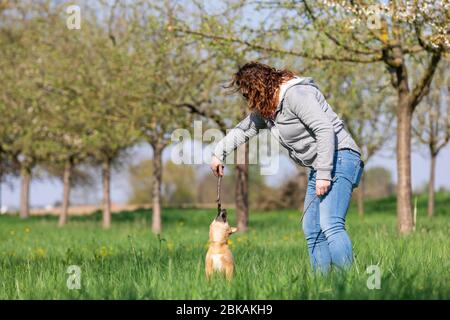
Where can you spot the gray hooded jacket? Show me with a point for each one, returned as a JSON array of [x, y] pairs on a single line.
[[304, 124]]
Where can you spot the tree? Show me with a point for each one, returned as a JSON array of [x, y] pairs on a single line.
[[100, 102], [432, 125], [7, 164], [39, 109], [170, 75], [111, 133], [22, 105], [227, 57], [155, 116], [88, 106], [357, 32], [367, 116], [66, 132], [179, 186]]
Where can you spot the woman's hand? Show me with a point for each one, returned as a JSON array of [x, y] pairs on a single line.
[[322, 187], [216, 166]]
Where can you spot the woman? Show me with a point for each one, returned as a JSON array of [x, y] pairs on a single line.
[[296, 111]]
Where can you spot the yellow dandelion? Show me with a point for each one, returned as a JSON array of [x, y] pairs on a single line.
[[104, 251], [229, 242], [40, 252], [27, 230]]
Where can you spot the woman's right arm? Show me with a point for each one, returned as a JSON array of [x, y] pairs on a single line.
[[240, 134]]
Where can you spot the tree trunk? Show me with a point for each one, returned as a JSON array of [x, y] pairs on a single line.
[[360, 196], [404, 189], [106, 179], [431, 186], [241, 188], [67, 179], [1, 183], [157, 184], [25, 193]]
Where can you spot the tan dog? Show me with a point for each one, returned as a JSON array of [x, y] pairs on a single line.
[[219, 258]]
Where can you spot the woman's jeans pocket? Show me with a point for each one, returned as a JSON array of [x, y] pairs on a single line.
[[358, 173]]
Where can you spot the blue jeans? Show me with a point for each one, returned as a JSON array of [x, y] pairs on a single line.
[[324, 220]]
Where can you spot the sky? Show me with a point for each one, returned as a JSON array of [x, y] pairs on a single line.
[[45, 192]]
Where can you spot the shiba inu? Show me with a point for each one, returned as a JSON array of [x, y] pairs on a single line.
[[219, 258]]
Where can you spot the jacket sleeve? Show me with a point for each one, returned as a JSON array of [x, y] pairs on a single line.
[[240, 134], [307, 108]]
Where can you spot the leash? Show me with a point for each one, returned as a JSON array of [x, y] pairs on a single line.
[[301, 220], [304, 212], [219, 203], [312, 200], [307, 207]]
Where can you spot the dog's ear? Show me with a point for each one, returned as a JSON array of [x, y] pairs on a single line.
[[233, 230]]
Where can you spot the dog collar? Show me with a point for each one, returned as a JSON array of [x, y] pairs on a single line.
[[220, 242]]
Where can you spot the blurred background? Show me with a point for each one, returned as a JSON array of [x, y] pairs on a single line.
[[90, 92]]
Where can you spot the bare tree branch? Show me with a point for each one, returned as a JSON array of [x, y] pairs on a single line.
[[209, 115], [424, 44], [422, 87], [260, 47]]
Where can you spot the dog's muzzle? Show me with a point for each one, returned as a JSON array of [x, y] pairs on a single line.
[[222, 216]]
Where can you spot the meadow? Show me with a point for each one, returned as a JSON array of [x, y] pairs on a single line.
[[129, 262]]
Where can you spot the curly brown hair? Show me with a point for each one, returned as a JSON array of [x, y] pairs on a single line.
[[259, 84]]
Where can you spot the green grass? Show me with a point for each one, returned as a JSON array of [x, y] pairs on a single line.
[[128, 262]]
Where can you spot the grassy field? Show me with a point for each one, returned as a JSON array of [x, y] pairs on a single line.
[[128, 262]]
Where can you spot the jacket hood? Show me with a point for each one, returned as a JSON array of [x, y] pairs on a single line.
[[294, 82]]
